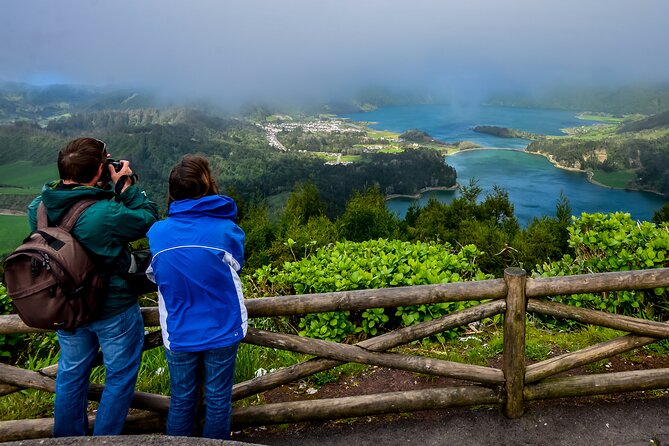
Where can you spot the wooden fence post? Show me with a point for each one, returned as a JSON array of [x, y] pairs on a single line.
[[514, 342]]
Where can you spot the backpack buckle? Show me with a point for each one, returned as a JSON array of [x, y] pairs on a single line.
[[35, 267], [45, 262]]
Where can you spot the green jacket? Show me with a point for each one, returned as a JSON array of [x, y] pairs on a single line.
[[105, 229]]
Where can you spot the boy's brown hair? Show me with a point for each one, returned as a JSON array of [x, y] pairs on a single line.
[[80, 159]]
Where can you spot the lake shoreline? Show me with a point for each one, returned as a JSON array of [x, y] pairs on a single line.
[[531, 183], [590, 175], [420, 193]]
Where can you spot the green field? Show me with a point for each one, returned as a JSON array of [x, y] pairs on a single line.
[[382, 134], [22, 178], [391, 149], [619, 180], [600, 118], [13, 229]]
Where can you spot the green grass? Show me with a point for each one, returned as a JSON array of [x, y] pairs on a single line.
[[22, 178], [600, 118], [382, 134], [29, 403], [153, 374], [540, 344], [391, 149], [13, 229], [278, 117], [446, 150], [589, 133], [253, 361], [620, 179]]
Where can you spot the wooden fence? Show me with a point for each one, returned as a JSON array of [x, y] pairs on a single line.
[[510, 387]]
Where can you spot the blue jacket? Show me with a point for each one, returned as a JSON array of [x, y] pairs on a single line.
[[197, 253]]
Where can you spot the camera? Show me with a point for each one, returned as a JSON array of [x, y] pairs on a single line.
[[106, 176], [117, 164]]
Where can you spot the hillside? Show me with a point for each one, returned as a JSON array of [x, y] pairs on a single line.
[[248, 166], [647, 100], [655, 122], [639, 147], [42, 103]]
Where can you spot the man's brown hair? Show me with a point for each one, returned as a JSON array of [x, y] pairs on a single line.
[[191, 178], [80, 159]]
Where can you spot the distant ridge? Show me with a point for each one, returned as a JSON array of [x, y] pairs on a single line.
[[652, 122]]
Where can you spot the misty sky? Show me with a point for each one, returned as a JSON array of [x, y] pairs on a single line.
[[262, 49]]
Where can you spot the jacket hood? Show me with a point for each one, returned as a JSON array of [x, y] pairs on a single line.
[[58, 201], [219, 206]]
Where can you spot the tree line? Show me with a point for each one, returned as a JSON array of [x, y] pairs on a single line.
[[482, 218]]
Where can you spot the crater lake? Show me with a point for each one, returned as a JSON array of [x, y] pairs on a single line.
[[532, 182]]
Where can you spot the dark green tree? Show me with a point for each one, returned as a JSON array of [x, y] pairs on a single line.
[[661, 215], [303, 204], [260, 234], [366, 217], [431, 223]]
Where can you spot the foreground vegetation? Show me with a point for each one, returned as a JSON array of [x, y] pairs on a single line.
[[14, 229], [312, 227], [597, 242]]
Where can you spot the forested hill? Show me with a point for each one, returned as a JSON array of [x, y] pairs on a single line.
[[646, 100], [23, 101], [659, 121], [636, 149], [248, 167]]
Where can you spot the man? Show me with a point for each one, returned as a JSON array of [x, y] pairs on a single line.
[[122, 213]]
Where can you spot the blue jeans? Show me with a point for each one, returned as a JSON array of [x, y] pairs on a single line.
[[185, 380], [120, 338]]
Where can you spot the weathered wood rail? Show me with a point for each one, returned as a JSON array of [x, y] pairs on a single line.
[[509, 387]]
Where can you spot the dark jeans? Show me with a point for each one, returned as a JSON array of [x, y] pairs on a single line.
[[120, 338], [185, 379]]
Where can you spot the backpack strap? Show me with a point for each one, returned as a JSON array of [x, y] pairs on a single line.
[[42, 219], [74, 213], [70, 217]]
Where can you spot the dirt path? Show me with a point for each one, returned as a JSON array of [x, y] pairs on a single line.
[[11, 212]]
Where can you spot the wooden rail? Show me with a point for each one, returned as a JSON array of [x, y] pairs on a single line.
[[509, 387]]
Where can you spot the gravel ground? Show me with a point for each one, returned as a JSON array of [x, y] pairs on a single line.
[[627, 423], [633, 422], [126, 440]]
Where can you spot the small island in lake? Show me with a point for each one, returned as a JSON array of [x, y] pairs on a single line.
[[505, 132], [419, 137]]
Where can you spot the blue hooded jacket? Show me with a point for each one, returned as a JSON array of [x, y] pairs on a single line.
[[198, 251]]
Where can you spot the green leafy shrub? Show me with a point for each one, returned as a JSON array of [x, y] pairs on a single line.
[[8, 342], [614, 242], [331, 326], [373, 319], [372, 264], [24, 348]]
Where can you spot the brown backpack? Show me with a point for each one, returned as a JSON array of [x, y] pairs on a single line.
[[51, 279]]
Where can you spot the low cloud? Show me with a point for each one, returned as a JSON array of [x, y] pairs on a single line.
[[268, 50]]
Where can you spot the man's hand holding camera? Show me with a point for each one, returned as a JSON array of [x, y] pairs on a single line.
[[124, 170], [117, 172]]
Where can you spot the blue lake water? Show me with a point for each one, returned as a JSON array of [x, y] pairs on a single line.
[[533, 183]]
